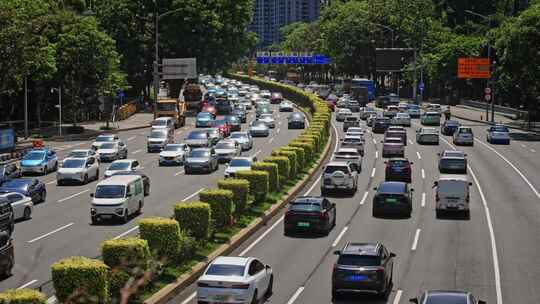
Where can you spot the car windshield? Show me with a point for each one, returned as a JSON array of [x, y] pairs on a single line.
[[465, 130], [454, 153], [15, 183], [197, 135], [119, 166], [36, 155], [225, 270], [78, 154], [232, 119], [110, 191], [108, 146], [500, 129], [74, 163], [258, 124], [240, 163], [204, 116], [224, 145], [452, 162], [452, 123], [173, 148], [220, 122], [238, 135], [357, 260], [446, 299], [159, 123], [414, 107], [104, 138], [305, 206], [157, 134], [332, 169], [199, 153], [266, 116]]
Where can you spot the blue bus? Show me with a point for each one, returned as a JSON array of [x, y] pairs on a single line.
[[366, 83]]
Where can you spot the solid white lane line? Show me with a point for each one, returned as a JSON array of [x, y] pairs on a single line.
[[126, 233], [533, 150], [136, 151], [192, 195], [27, 284], [279, 123], [398, 296], [51, 182], [364, 198], [256, 153], [191, 297], [340, 235], [514, 167], [373, 172], [376, 154], [314, 184], [415, 241], [411, 142], [523, 146], [278, 129], [179, 172], [271, 140], [72, 196], [374, 141], [423, 200], [418, 155], [262, 236], [50, 233], [336, 133], [423, 174], [131, 138], [296, 295]]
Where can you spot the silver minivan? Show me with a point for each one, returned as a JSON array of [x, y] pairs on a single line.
[[117, 197], [452, 194]]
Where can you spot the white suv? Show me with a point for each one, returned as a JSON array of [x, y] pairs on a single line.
[[339, 175]]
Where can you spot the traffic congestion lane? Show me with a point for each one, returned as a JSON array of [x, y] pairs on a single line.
[[54, 246]]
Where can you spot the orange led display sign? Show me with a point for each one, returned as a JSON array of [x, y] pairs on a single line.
[[473, 68]]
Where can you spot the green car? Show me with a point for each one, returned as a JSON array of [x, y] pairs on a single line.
[[431, 119]]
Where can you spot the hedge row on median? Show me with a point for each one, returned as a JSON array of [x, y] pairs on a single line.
[[22, 296], [221, 205], [194, 218]]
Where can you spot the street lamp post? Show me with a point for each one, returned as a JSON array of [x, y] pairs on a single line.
[[488, 83], [389, 29], [59, 106]]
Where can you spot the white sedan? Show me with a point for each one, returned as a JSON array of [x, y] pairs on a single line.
[[125, 165], [173, 154], [286, 106], [235, 280], [22, 205], [81, 170], [268, 119]]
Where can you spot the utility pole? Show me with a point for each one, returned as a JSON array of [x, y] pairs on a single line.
[[59, 106], [25, 107], [415, 82]]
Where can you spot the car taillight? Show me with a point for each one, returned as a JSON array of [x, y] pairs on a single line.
[[240, 286], [323, 215], [334, 268], [201, 284]]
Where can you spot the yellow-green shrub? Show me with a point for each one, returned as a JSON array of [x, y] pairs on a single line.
[[291, 155], [221, 204], [273, 174], [22, 296], [240, 190], [259, 184], [283, 165], [300, 156], [163, 235], [308, 150], [81, 280], [194, 219]]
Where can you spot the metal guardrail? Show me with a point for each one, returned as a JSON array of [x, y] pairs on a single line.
[[517, 114]]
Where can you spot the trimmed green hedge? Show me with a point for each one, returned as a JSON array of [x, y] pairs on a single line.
[[240, 190], [194, 218], [291, 156], [273, 174], [22, 296], [283, 163], [81, 280], [308, 150], [259, 184], [300, 156], [221, 204], [126, 253], [163, 235]]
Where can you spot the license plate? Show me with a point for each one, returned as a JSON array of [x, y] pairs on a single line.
[[220, 298], [106, 216], [398, 169], [303, 224], [391, 200], [357, 278]]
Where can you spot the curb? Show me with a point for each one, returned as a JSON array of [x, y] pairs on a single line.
[[171, 290]]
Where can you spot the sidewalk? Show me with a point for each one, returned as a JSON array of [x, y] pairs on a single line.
[[135, 121]]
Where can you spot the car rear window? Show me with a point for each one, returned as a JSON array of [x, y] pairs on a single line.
[[305, 207], [446, 299], [393, 141], [332, 169], [358, 260], [225, 270]]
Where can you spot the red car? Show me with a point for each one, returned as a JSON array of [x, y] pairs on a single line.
[[223, 126], [210, 109], [276, 98]]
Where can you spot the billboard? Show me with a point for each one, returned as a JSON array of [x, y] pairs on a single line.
[[473, 68], [291, 58], [179, 68], [7, 140]]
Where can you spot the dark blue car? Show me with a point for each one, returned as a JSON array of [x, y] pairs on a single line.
[[30, 187], [449, 127]]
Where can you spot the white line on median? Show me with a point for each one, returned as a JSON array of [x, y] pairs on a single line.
[[136, 151], [27, 284], [398, 296], [191, 297], [50, 233], [51, 182], [411, 142], [72, 196], [418, 155], [423, 200], [364, 198], [415, 241], [126, 233], [376, 154], [179, 172], [271, 140], [256, 153], [192, 195], [374, 141], [340, 235], [262, 236], [131, 138], [373, 172], [423, 174], [296, 295]]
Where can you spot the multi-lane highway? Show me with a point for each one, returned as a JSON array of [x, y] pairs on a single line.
[[61, 226], [493, 254]]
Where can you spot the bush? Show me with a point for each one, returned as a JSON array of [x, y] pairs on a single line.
[[126, 253], [194, 219], [291, 156], [299, 156], [221, 204], [258, 183], [312, 138], [283, 165], [81, 280], [308, 151], [163, 235], [273, 174], [240, 190], [22, 296]]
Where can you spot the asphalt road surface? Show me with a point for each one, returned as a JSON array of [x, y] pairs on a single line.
[[493, 254], [61, 227]]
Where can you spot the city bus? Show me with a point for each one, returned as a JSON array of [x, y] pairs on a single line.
[[366, 83]]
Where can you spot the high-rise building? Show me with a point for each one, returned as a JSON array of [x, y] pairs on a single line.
[[269, 16]]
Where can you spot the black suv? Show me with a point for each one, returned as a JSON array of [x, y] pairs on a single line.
[[398, 170], [363, 268], [393, 198], [7, 223], [7, 257], [380, 125], [313, 213]]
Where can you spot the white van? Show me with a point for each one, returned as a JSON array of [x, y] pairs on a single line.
[[452, 194], [117, 197]]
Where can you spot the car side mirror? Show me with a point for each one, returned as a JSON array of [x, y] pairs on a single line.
[[438, 154], [129, 195], [382, 141], [375, 188], [470, 183], [337, 252], [392, 255], [412, 189], [435, 184], [91, 194], [267, 267], [465, 154], [413, 300], [412, 163], [481, 302]]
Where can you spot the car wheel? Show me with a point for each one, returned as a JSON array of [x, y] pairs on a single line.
[[55, 166], [94, 220], [45, 170], [270, 287], [85, 180], [438, 213], [147, 190], [335, 294], [97, 175], [375, 212], [255, 299], [43, 196], [125, 218], [27, 213], [7, 271], [139, 209]]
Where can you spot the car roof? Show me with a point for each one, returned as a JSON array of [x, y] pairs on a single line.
[[129, 160], [361, 248], [226, 260], [392, 187], [352, 137], [76, 158], [348, 150], [81, 150], [337, 163], [118, 179]]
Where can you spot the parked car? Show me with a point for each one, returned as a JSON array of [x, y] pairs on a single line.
[[498, 134], [80, 170], [201, 159], [259, 129], [22, 205], [173, 154], [446, 296], [310, 213], [244, 139], [349, 155], [463, 136], [296, 121], [392, 198], [426, 135], [339, 176], [39, 161], [453, 161], [122, 166], [393, 147], [31, 187], [226, 149], [398, 170], [363, 267]]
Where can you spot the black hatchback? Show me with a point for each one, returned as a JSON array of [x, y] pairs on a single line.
[[310, 213], [392, 198], [380, 125], [398, 170], [363, 268]]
